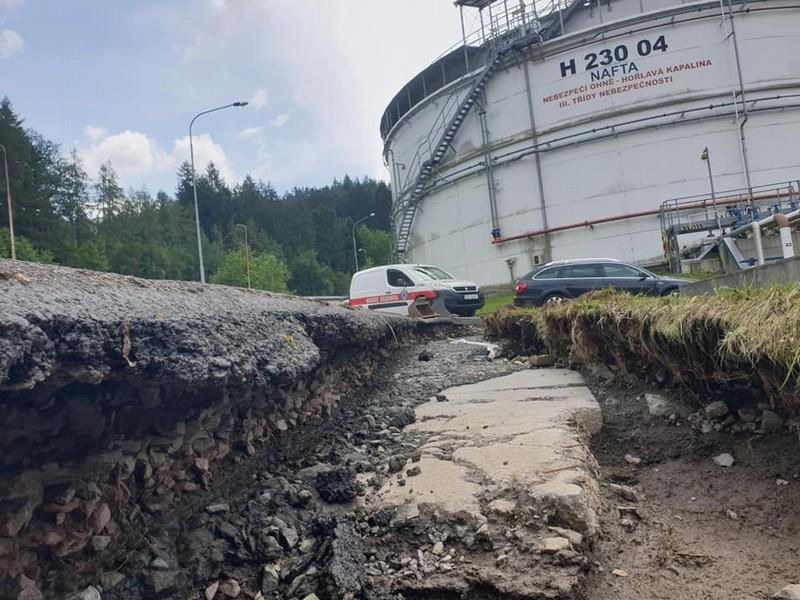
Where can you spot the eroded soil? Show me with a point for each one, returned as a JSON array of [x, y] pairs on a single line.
[[703, 532]]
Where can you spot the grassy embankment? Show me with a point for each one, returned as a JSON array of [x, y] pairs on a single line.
[[747, 337]]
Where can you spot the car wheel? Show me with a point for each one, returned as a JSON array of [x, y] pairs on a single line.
[[671, 292], [553, 299]]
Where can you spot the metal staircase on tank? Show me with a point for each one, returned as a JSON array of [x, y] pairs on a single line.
[[416, 191]]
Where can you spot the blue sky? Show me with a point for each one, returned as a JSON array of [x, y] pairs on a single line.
[[121, 79]]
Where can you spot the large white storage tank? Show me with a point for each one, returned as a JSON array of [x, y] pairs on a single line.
[[558, 131]]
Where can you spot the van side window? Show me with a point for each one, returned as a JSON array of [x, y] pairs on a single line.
[[397, 278]]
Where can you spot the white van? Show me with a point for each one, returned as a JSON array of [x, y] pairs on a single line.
[[393, 288]]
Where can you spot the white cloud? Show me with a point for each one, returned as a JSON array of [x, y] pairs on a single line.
[[10, 43], [281, 120], [249, 133], [136, 156], [8, 4], [260, 99]]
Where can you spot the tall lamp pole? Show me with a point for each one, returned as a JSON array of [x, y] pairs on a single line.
[[246, 253], [706, 156], [194, 184], [355, 246], [10, 206]]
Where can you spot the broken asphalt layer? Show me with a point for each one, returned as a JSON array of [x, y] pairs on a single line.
[[505, 474]]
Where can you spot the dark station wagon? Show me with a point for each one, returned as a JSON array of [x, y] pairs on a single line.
[[567, 279]]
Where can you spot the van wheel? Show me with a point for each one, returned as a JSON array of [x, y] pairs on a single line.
[[468, 313]]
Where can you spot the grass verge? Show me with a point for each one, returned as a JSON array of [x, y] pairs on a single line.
[[747, 338]]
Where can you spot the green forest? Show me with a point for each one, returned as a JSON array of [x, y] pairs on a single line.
[[298, 242]]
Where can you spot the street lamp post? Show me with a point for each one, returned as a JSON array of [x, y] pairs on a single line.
[[355, 246], [706, 156], [194, 184], [10, 206], [246, 253]]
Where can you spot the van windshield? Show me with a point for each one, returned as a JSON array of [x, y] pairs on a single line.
[[432, 273]]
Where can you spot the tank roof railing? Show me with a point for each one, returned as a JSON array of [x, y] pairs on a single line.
[[516, 19]]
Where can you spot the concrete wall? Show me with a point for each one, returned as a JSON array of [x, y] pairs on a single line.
[[785, 271]]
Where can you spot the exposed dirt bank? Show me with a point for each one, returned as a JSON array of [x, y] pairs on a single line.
[[693, 529], [123, 399]]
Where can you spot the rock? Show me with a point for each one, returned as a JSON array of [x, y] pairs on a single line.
[[619, 573], [732, 515], [311, 597], [160, 582], [660, 406], [575, 538], [414, 471], [100, 542], [404, 515], [780, 482], [602, 371], [632, 460], [770, 422], [724, 460], [624, 492], [215, 509], [438, 548], [790, 592], [746, 415], [90, 593], [28, 590], [501, 506], [211, 590], [425, 356], [111, 579], [288, 535], [396, 463], [542, 360], [230, 588], [101, 517], [552, 545], [270, 578], [402, 417], [160, 564], [716, 410], [337, 486]]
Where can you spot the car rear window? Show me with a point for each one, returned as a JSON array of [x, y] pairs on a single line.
[[576, 271], [550, 273]]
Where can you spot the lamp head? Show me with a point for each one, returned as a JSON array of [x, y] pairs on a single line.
[[240, 103], [704, 155]]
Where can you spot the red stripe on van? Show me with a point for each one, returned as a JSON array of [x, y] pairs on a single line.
[[391, 298]]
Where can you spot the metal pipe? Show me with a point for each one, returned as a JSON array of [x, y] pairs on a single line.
[[635, 215], [787, 244], [10, 205], [463, 38], [743, 121], [537, 162], [757, 241], [194, 184]]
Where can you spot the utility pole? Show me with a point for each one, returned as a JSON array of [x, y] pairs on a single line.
[[194, 184], [355, 245], [10, 205], [706, 156], [246, 253]]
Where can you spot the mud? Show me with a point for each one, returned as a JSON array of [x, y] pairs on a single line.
[[698, 530]]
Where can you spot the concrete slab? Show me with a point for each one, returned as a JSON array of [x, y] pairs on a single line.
[[519, 439]]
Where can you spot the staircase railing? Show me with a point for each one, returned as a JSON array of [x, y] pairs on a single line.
[[428, 156]]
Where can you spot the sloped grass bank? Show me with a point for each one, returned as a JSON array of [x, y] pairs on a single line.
[[746, 339]]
